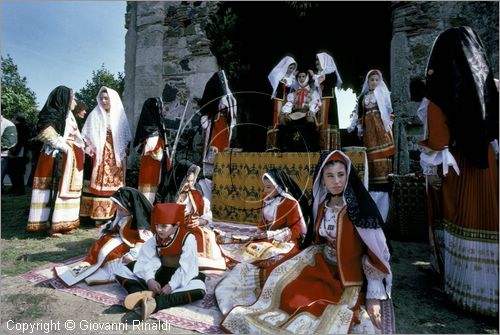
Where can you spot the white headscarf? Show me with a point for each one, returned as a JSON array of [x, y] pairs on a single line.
[[283, 193], [94, 130], [279, 72], [319, 190], [328, 66], [383, 97]]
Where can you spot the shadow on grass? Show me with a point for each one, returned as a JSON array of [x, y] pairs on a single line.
[[70, 249], [15, 211], [22, 257]]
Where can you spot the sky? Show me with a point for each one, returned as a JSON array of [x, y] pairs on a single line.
[[61, 42]]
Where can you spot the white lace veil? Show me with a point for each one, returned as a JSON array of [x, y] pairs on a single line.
[[94, 130], [383, 97], [278, 72], [328, 66]]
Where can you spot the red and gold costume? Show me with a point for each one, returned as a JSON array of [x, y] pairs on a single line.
[[125, 235], [62, 213], [150, 143], [150, 171], [463, 218], [375, 118], [460, 118], [321, 289], [107, 136]]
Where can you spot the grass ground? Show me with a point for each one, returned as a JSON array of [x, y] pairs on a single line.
[[22, 251]]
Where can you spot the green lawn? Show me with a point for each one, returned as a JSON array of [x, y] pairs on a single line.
[[22, 251]]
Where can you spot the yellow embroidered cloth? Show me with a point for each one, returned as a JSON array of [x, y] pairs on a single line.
[[237, 185]]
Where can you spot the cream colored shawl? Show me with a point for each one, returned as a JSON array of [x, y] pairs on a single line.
[[94, 130]]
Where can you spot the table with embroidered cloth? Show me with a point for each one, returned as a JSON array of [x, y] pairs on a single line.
[[237, 185]]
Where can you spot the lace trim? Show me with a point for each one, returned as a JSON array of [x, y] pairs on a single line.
[[354, 212], [375, 277], [428, 169], [281, 235]]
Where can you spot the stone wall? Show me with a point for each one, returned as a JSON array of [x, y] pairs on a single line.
[[167, 54], [415, 27]]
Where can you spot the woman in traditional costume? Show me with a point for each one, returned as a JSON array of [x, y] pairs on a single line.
[[180, 188], [119, 241], [107, 136], [150, 142], [57, 186], [326, 78], [373, 119], [460, 115], [218, 109], [282, 79], [282, 225], [339, 284]]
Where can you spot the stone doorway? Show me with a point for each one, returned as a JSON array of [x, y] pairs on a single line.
[[356, 34]]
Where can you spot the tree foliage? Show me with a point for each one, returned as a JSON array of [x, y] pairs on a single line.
[[101, 77], [223, 45], [17, 97]]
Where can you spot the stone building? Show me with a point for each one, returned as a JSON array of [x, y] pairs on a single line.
[[168, 53]]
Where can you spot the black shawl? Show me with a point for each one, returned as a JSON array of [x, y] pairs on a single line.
[[55, 110], [209, 102], [136, 204], [459, 80], [288, 185], [150, 121], [167, 192]]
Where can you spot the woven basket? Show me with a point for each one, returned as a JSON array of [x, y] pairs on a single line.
[[407, 218]]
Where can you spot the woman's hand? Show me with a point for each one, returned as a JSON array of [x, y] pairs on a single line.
[[154, 286], [166, 290], [374, 311]]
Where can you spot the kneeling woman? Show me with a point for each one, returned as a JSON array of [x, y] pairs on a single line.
[[323, 288]]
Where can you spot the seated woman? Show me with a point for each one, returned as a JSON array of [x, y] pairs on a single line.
[[282, 225], [180, 188], [337, 284], [119, 241]]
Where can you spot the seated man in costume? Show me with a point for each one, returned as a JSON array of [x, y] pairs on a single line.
[[166, 271], [282, 225], [304, 102], [119, 241], [298, 117]]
